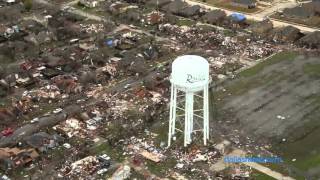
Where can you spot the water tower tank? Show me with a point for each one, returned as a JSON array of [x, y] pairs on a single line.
[[190, 72]]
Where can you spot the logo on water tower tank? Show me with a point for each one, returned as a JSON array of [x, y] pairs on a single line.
[[194, 79]]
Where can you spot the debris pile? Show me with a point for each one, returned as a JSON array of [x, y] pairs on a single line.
[[198, 36], [87, 167], [72, 127], [123, 172], [56, 60], [146, 149], [43, 141], [187, 160], [44, 93], [14, 157], [92, 28], [155, 17]]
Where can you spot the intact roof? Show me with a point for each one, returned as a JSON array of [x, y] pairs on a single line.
[[214, 16], [312, 39], [262, 26], [175, 6], [298, 11], [87, 1], [190, 11], [160, 3], [245, 2], [287, 33], [290, 29], [312, 6]]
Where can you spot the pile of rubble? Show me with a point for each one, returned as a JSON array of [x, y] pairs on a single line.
[[86, 167], [48, 92], [201, 38], [118, 79], [14, 157], [92, 28], [143, 148], [187, 160]]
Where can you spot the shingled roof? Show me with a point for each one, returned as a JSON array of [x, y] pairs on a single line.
[[311, 40], [245, 2]]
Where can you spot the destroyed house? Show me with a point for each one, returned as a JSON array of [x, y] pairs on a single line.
[[244, 3], [13, 157], [32, 26]]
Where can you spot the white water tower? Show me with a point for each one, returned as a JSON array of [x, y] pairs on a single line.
[[190, 76]]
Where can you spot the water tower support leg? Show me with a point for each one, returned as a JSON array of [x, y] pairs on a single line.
[[175, 93], [186, 120], [207, 112], [190, 116], [171, 116], [205, 115]]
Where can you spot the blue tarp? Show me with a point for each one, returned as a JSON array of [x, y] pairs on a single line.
[[238, 17], [109, 42]]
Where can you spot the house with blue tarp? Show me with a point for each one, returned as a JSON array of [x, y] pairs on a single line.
[[237, 17]]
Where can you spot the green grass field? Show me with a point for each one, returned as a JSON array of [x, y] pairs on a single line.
[[301, 150]]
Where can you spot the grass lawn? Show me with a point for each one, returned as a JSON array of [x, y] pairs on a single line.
[[312, 69], [185, 22], [246, 79], [283, 56], [301, 149], [257, 175]]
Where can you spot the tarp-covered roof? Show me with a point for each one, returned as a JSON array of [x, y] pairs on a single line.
[[238, 17]]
